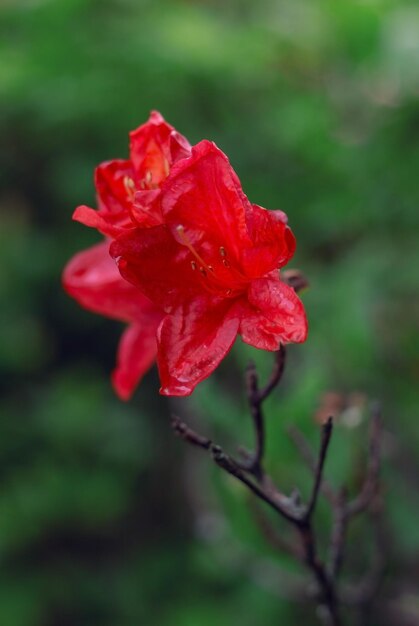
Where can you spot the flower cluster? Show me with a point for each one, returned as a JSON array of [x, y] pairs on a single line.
[[187, 261]]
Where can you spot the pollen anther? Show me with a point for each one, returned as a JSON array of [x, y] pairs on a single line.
[[129, 187], [223, 251], [166, 167], [148, 177], [193, 265]]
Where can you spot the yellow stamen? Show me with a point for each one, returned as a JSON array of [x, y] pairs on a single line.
[[213, 283], [129, 187], [166, 167], [184, 239]]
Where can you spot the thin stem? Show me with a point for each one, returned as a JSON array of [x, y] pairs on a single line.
[[254, 462], [310, 459], [276, 375], [189, 435], [250, 472], [327, 430], [266, 492], [288, 508], [337, 540], [268, 495]]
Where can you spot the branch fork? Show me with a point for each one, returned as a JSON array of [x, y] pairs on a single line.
[[249, 470]]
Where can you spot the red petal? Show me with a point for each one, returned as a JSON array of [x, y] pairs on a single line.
[[273, 315], [145, 210], [154, 262], [180, 148], [93, 279], [152, 148], [273, 243], [203, 195], [191, 343], [136, 354], [106, 223]]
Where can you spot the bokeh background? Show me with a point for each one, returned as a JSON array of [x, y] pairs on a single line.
[[105, 518]]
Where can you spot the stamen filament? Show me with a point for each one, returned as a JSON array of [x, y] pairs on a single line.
[[187, 243], [207, 271]]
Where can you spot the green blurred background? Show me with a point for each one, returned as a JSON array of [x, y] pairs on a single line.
[[105, 518]]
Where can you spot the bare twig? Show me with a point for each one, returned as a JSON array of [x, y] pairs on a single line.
[[253, 463], [276, 375], [270, 496], [250, 472], [309, 457], [327, 430], [288, 508], [187, 434], [267, 493], [337, 540]]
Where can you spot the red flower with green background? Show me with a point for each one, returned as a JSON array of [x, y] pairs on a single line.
[[212, 267], [198, 263]]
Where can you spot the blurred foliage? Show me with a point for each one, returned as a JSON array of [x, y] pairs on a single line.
[[104, 518]]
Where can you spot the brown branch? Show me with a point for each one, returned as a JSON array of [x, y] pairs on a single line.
[[276, 375], [250, 473], [187, 434], [309, 457], [338, 535], [289, 508], [267, 493], [253, 463], [326, 435], [327, 588]]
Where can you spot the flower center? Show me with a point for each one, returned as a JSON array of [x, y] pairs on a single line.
[[212, 280], [145, 183]]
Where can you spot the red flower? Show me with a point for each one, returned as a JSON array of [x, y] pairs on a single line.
[[127, 191], [212, 266], [92, 278]]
